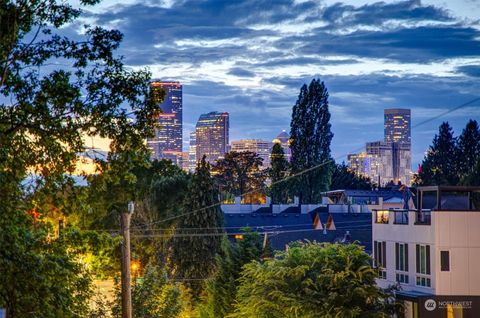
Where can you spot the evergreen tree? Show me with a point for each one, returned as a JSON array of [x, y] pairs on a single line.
[[278, 171], [473, 177], [468, 148], [343, 178], [439, 165], [221, 290], [310, 141], [198, 235]]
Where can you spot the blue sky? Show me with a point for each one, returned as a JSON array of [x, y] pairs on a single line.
[[251, 57]]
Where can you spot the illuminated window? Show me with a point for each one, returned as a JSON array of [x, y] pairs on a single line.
[[381, 217]]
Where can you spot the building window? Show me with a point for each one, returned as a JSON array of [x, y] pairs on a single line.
[[423, 217], [401, 217], [381, 217], [380, 257], [422, 253], [401, 262], [445, 261]]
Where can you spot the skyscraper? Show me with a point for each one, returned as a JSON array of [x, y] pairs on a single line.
[[390, 159], [397, 125], [167, 143], [262, 148], [192, 152], [212, 136]]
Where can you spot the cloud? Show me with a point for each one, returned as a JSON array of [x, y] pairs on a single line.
[[237, 71], [251, 57], [470, 70]]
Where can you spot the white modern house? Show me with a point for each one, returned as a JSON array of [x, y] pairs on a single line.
[[431, 251]]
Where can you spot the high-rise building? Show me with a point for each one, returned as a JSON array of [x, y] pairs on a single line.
[[261, 147], [366, 165], [397, 125], [167, 143], [389, 160], [212, 136], [192, 152], [283, 139], [183, 161]]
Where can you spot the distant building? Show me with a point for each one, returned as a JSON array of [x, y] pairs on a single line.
[[344, 216], [261, 147], [432, 252], [183, 160], [366, 165], [167, 142], [389, 160], [192, 152], [212, 136], [283, 139], [397, 125]]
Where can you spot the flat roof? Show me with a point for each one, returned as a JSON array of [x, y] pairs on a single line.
[[450, 188]]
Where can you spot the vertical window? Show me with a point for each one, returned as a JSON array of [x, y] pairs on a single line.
[[445, 261], [401, 262], [423, 264], [380, 256]]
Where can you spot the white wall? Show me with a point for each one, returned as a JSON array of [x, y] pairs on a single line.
[[458, 233]]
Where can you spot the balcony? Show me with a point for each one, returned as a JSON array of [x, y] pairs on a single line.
[[400, 216], [423, 217]]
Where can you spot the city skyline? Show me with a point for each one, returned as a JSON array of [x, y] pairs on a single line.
[[371, 55]]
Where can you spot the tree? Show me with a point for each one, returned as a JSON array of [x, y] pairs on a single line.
[[222, 288], [310, 141], [44, 113], [473, 177], [312, 280], [343, 178], [40, 276], [198, 233], [439, 166], [240, 173], [468, 148], [153, 296], [278, 171]]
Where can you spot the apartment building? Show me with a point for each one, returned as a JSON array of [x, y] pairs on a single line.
[[431, 252]]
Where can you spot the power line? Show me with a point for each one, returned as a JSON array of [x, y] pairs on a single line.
[[308, 169], [274, 232]]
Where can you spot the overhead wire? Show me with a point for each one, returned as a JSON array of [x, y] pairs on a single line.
[[303, 171]]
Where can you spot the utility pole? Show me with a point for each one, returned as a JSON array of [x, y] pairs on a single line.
[[126, 282]]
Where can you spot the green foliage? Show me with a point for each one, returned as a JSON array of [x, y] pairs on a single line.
[[41, 276], [222, 288], [473, 177], [343, 178], [468, 148], [44, 114], [310, 141], [279, 170], [192, 257], [450, 160], [153, 296], [312, 280], [240, 173]]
